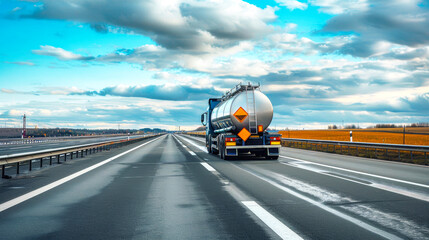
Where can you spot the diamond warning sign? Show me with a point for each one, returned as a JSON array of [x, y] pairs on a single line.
[[244, 134], [240, 114]]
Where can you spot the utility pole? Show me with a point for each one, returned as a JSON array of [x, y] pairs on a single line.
[[24, 128]]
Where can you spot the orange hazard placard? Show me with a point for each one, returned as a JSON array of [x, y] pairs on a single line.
[[244, 134], [240, 114]]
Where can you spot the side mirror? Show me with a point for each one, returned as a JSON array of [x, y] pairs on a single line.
[[203, 118]]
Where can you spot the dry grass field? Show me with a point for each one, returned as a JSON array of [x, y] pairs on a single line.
[[413, 136]]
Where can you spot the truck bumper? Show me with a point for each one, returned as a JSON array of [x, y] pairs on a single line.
[[270, 150]]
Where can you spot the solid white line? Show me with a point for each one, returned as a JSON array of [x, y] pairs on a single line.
[[204, 149], [208, 167], [370, 184], [57, 183], [197, 139], [191, 152], [278, 227], [326, 208], [367, 174]]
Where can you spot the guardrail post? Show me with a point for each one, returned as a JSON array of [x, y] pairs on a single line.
[[71, 155], [30, 165], [411, 155], [3, 170], [426, 158], [17, 168], [41, 162], [50, 160], [81, 154]]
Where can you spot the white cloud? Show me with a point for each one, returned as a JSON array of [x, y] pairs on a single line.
[[59, 53], [180, 24], [392, 97], [340, 6], [16, 9], [292, 4], [28, 63]]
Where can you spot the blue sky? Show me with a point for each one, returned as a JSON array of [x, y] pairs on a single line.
[[97, 64]]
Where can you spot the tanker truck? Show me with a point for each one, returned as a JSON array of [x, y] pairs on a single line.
[[236, 124]]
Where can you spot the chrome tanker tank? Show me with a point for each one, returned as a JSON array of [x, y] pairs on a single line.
[[243, 107]]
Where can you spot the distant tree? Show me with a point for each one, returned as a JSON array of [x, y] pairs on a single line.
[[202, 128], [386, 126]]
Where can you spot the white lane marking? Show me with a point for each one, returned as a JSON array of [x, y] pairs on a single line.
[[20, 147], [387, 219], [57, 183], [358, 172], [191, 152], [197, 139], [369, 184], [278, 227], [208, 167], [204, 149], [324, 207], [375, 185]]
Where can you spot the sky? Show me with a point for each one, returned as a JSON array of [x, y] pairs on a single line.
[[135, 64]]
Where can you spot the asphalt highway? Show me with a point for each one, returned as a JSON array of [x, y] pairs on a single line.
[[7, 149], [169, 187]]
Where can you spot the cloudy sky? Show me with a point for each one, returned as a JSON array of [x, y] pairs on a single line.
[[100, 63]]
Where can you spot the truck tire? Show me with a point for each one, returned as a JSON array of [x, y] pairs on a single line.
[[209, 144], [210, 147], [215, 151], [221, 148]]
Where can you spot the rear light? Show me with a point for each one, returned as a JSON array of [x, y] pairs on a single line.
[[260, 128], [275, 140], [229, 139]]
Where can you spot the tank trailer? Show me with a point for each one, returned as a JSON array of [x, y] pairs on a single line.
[[236, 124]]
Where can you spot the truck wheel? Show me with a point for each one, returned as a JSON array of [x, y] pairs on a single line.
[[215, 151], [209, 147], [221, 149]]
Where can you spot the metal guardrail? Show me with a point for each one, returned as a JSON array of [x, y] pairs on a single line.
[[394, 152], [57, 153], [8, 141]]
